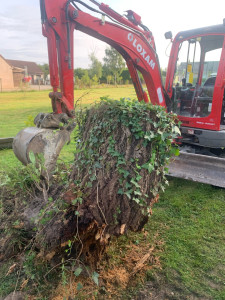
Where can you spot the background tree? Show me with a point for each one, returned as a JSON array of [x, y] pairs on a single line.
[[79, 72], [109, 79], [95, 70], [163, 72], [113, 63], [78, 83], [45, 69], [126, 76], [85, 79], [95, 79]]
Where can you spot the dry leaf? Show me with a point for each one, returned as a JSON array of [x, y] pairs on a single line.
[[50, 255], [24, 283], [11, 269]]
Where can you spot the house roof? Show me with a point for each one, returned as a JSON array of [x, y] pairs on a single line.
[[32, 67], [4, 59]]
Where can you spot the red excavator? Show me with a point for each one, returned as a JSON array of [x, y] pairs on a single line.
[[194, 87]]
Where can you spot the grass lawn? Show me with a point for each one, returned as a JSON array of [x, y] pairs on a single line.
[[17, 107], [190, 220], [186, 230]]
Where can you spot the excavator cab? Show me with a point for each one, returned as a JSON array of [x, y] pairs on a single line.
[[196, 71], [195, 83]]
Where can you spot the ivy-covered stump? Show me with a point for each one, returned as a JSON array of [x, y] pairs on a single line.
[[122, 150]]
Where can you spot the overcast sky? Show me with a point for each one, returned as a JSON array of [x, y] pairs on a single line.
[[21, 37]]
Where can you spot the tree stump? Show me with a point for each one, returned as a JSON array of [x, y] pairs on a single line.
[[122, 148]]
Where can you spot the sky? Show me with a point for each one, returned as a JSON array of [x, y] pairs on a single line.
[[21, 36]]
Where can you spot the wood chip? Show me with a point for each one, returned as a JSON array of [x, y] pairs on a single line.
[[142, 262]]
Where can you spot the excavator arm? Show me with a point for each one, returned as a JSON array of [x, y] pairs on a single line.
[[59, 20]]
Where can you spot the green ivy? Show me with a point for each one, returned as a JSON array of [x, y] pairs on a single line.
[[132, 115]]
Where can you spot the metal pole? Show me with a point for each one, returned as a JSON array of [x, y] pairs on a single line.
[[193, 63], [187, 64]]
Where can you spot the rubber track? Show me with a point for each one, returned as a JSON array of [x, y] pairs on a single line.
[[199, 168], [6, 143]]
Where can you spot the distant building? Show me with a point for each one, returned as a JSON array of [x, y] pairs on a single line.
[[6, 75], [13, 72]]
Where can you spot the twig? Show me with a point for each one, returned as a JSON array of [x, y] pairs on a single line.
[[80, 99]]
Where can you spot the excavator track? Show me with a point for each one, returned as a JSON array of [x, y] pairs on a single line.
[[199, 168]]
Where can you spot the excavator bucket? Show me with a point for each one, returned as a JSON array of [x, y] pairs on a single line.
[[199, 168], [46, 142]]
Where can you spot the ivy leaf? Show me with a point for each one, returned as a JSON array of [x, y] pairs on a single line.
[[92, 178], [138, 177], [120, 192], [95, 277], [134, 183], [79, 286], [176, 152], [128, 195], [32, 157], [97, 165], [137, 193], [176, 130], [148, 167], [121, 162], [149, 136], [74, 201], [127, 185], [78, 271], [136, 200]]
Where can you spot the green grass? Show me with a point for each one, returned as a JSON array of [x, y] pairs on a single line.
[[8, 160], [16, 107], [190, 219]]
